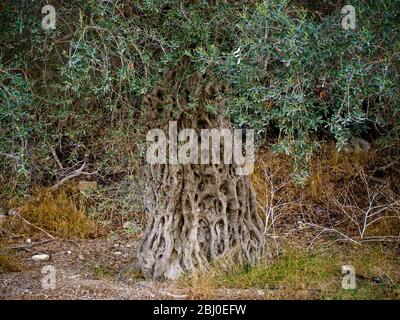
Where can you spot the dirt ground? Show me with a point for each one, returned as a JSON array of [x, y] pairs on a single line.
[[105, 268], [93, 269]]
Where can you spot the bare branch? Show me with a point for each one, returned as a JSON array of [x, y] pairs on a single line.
[[76, 173]]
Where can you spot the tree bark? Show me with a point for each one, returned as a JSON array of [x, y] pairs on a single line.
[[198, 214]]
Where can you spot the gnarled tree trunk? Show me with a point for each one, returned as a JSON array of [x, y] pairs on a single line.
[[198, 213]]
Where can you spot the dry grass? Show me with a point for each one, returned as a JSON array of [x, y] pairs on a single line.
[[349, 197], [8, 263], [347, 214], [60, 213]]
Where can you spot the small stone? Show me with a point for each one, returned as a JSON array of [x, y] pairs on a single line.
[[81, 257], [40, 257], [28, 240], [143, 284], [377, 279], [12, 213], [85, 186], [128, 225], [356, 144], [69, 252], [117, 253]]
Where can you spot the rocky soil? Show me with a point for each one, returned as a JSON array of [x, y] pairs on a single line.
[[92, 269]]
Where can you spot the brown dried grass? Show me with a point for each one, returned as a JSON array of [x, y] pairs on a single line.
[[346, 194], [8, 263], [60, 213]]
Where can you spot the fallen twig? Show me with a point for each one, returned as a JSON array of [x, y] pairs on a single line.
[[31, 224], [54, 153], [324, 229], [29, 245], [175, 296], [76, 173]]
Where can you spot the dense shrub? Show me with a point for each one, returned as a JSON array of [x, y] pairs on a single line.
[[292, 73], [309, 78]]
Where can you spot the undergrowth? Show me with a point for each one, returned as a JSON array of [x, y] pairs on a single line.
[[315, 273], [61, 213], [350, 196], [8, 263], [75, 93]]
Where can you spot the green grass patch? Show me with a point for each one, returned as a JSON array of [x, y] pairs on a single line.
[[312, 274], [293, 269]]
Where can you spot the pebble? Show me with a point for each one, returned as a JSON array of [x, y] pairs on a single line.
[[86, 186], [377, 279], [40, 257], [117, 253], [12, 213], [28, 240], [143, 284], [128, 225]]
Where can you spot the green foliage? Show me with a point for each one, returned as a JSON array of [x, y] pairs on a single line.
[[308, 77], [16, 122], [290, 72]]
